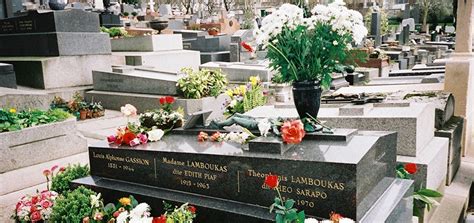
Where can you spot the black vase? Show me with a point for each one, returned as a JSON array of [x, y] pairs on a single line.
[[307, 98], [57, 4]]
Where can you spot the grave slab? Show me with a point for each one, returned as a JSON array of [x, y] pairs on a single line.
[[414, 123], [239, 71], [238, 181], [222, 56], [167, 61], [432, 164], [55, 44], [152, 43], [57, 72], [137, 81], [39, 144]]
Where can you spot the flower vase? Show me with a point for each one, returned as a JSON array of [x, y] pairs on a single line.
[[307, 98]]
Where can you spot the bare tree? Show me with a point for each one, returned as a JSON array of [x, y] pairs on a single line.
[[426, 7]]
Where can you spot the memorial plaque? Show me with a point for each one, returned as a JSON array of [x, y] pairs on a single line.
[[321, 176]]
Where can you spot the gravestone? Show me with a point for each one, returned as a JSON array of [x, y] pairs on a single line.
[[224, 178], [410, 23], [43, 45], [375, 28], [56, 33], [7, 76]]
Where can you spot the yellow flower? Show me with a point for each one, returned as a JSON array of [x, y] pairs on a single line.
[[254, 80], [230, 92], [125, 201], [242, 89], [12, 110]]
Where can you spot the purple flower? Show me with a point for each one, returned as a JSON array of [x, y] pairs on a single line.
[[143, 138], [134, 142]]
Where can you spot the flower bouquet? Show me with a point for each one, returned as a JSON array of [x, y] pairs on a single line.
[[245, 97], [35, 208], [164, 118], [306, 51]]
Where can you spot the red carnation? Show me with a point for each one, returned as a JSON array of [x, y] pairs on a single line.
[[62, 169], [271, 181], [246, 46], [410, 168], [169, 99], [161, 219], [192, 209], [162, 100], [128, 137], [54, 168]]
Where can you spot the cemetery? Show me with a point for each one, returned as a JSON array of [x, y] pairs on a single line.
[[212, 111]]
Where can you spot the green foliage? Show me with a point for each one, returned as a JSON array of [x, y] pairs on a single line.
[[424, 198], [285, 213], [182, 214], [13, 121], [311, 55], [114, 31], [402, 173], [9, 121], [73, 206], [60, 182], [201, 83], [254, 98]]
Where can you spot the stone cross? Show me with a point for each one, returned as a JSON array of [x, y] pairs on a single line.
[[460, 73]]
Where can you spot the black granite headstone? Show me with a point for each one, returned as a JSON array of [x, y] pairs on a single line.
[[7, 76], [375, 28], [52, 21], [321, 176]]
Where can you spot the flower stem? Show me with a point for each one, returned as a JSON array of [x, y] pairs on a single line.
[[293, 68], [279, 195]]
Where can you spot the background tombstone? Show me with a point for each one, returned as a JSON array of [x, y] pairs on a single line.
[[375, 27], [409, 22]]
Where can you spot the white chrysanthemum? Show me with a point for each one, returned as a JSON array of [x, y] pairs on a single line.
[[140, 210], [310, 220], [122, 218]]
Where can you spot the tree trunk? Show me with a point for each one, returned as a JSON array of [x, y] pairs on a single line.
[[425, 21]]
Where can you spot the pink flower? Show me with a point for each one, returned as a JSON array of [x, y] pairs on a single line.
[[46, 204], [54, 168], [143, 138], [128, 110], [111, 139], [35, 216], [135, 142]]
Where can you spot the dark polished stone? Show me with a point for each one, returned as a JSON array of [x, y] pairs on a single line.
[[54, 21], [322, 176], [453, 131]]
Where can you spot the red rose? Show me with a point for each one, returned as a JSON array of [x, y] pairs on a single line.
[[128, 137], [161, 219], [410, 168], [246, 46], [169, 99], [35, 216], [292, 132], [34, 199], [271, 181], [62, 169], [162, 100], [46, 204], [33, 208], [192, 209]]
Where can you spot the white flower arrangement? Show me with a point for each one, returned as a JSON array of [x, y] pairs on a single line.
[[140, 214]]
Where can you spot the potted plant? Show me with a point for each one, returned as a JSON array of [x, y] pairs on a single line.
[[83, 110], [97, 109], [306, 51]]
